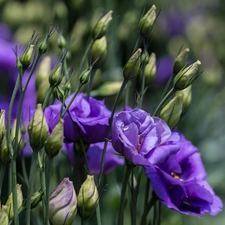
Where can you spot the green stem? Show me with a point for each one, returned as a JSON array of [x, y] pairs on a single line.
[[98, 215], [2, 174], [163, 101], [145, 211], [47, 180], [133, 201], [127, 173], [48, 94], [109, 129], [24, 171], [91, 82], [31, 184]]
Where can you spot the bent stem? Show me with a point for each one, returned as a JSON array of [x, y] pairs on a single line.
[[127, 173]]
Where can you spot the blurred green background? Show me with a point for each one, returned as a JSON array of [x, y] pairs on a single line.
[[197, 24]]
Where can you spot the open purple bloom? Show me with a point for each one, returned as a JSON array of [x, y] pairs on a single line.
[[94, 157], [180, 182], [88, 119], [142, 139]]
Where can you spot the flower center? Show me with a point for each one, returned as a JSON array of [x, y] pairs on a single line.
[[174, 175]]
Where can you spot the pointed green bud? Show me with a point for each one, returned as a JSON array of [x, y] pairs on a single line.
[[38, 129], [87, 199], [99, 51], [9, 202], [102, 25], [27, 57], [63, 204], [84, 77], [13, 135], [180, 61], [36, 198], [61, 41], [4, 219], [150, 70], [5, 158], [171, 113], [55, 76], [55, 140], [147, 21], [43, 71], [43, 46], [2, 123], [145, 57], [132, 67], [186, 76], [186, 97], [60, 94], [42, 91]]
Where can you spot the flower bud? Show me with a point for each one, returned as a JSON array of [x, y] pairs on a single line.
[[27, 57], [186, 76], [55, 76], [9, 202], [150, 70], [43, 46], [60, 94], [2, 123], [84, 77], [61, 41], [42, 91], [145, 57], [13, 135], [38, 129], [147, 21], [186, 97], [87, 199], [43, 71], [55, 140], [99, 51], [171, 113], [4, 219], [63, 204], [180, 61], [36, 198], [5, 158], [102, 25], [132, 66]]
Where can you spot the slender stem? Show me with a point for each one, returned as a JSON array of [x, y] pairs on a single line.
[[48, 94], [98, 215], [133, 201], [127, 93], [91, 82], [47, 180], [163, 101], [127, 173], [145, 211], [24, 171], [31, 183], [2, 174], [109, 129]]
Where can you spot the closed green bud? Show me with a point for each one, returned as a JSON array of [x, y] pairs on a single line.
[[102, 25], [4, 219], [87, 199], [55, 140], [99, 51], [180, 61], [171, 112], [19, 138], [63, 204], [43, 46], [9, 202], [132, 67], [55, 76], [60, 94], [186, 76], [150, 70], [27, 57], [38, 129], [2, 123], [61, 41], [5, 158], [84, 77], [42, 91], [147, 21], [145, 57], [43, 71], [186, 97], [36, 198]]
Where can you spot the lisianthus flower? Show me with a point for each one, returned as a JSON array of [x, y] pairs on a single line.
[[142, 139], [94, 157], [180, 182], [87, 118]]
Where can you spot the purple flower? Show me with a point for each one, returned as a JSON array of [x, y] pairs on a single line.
[[142, 139], [94, 157], [180, 182], [88, 119]]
